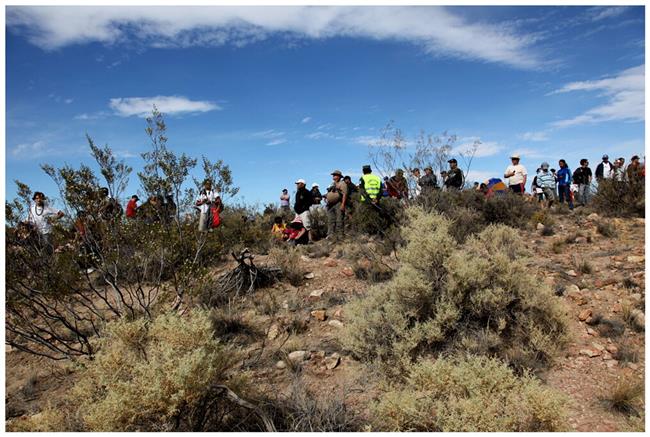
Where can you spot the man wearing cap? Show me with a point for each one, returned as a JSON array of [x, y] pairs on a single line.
[[316, 195], [337, 196], [582, 177], [634, 170], [604, 170], [516, 175], [303, 201], [546, 182], [455, 178], [40, 216], [369, 186], [428, 182]]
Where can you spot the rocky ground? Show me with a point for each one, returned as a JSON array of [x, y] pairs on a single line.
[[601, 280]]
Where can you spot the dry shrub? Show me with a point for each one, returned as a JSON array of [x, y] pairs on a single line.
[[287, 258], [475, 394], [544, 217], [480, 297], [620, 198], [606, 229], [558, 246], [149, 376], [624, 397]]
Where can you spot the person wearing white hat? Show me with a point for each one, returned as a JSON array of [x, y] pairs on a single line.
[[516, 175], [303, 202]]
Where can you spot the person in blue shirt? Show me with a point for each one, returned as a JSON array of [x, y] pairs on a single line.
[[564, 183]]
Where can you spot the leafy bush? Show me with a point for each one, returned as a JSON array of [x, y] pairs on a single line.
[[476, 394], [151, 376], [479, 297], [620, 198], [377, 219]]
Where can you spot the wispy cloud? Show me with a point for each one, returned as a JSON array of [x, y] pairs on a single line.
[[33, 149], [93, 116], [439, 31], [527, 153], [306, 120], [625, 94], [483, 148], [602, 12], [534, 136], [269, 133], [276, 142], [169, 105]]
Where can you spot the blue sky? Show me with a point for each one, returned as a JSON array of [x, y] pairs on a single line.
[[281, 93]]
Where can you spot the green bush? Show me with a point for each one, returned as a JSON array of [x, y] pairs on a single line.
[[475, 394], [479, 297], [147, 376]]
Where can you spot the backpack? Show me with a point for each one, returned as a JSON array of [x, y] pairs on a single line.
[[215, 216]]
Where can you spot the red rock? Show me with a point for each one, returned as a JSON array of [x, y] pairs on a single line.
[[591, 353], [584, 314], [348, 272], [617, 308], [600, 283], [330, 263], [612, 349], [319, 315]]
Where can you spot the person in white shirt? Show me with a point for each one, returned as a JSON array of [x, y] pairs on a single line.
[[206, 198], [516, 175], [41, 214], [413, 183]]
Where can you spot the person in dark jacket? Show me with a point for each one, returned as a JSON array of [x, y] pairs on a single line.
[[604, 170], [428, 182], [304, 201], [316, 195], [582, 177], [564, 183], [455, 178]]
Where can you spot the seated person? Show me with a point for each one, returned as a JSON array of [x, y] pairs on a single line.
[[296, 233], [278, 228]]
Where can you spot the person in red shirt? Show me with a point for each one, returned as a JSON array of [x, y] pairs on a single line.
[[132, 207]]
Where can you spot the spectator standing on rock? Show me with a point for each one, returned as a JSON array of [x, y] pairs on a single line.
[[428, 182], [303, 202], [285, 204], [582, 177], [564, 183], [604, 170], [337, 196], [516, 175], [40, 216], [455, 178]]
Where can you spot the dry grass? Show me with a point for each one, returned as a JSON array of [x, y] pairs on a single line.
[[624, 397]]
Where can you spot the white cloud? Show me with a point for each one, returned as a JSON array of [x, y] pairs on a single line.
[[318, 135], [93, 116], [68, 101], [33, 149], [269, 134], [168, 105], [367, 140], [306, 120], [527, 153], [481, 175], [276, 142], [534, 136], [625, 95], [437, 30], [484, 149], [600, 12]]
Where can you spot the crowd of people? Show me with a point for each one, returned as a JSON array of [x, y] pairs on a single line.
[[548, 186]]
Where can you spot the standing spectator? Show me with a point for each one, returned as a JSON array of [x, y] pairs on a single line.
[[554, 173], [384, 188], [564, 183], [169, 209], [634, 170], [207, 197], [285, 204], [455, 178], [582, 177], [619, 169], [369, 186], [428, 182], [337, 196], [109, 208], [604, 170], [316, 195], [414, 183], [535, 189], [132, 207], [40, 216], [303, 202], [516, 175], [546, 183], [397, 185]]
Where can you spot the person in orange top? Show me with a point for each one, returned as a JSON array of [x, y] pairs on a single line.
[[132, 207], [278, 228]]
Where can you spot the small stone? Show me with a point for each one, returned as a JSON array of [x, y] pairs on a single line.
[[584, 315], [319, 315], [636, 259], [285, 304], [316, 294], [281, 365], [305, 258], [572, 273], [580, 240], [540, 227], [273, 332], [335, 323], [338, 313], [607, 356], [320, 354], [330, 263], [589, 353], [633, 366], [332, 361], [298, 356], [617, 308], [635, 296], [611, 363], [600, 283], [593, 216], [612, 349], [598, 346], [309, 275], [592, 332], [348, 272]]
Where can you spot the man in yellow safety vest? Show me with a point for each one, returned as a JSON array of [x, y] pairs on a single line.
[[369, 186]]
